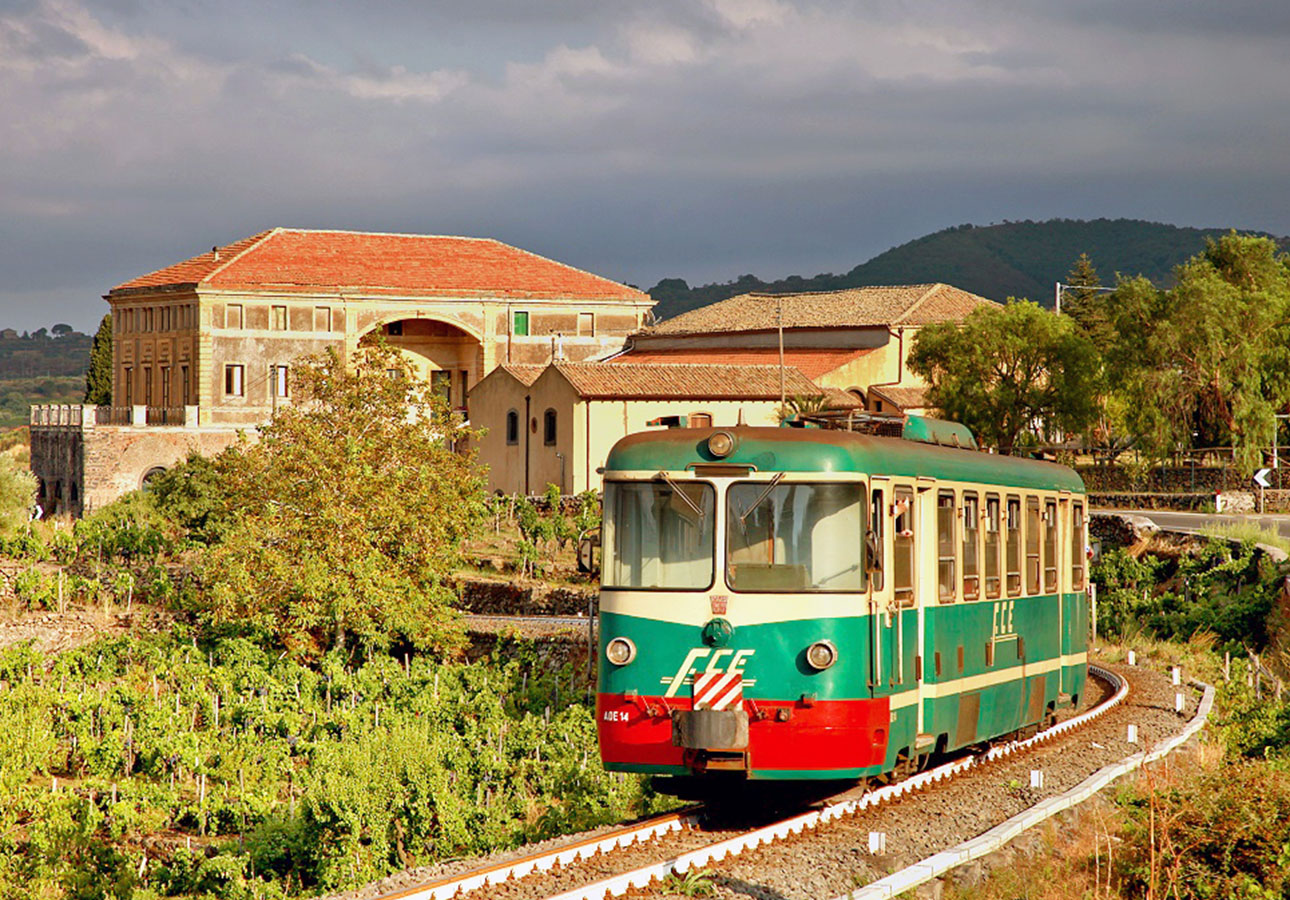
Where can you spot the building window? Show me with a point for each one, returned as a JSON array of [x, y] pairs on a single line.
[[586, 324], [233, 315], [128, 378], [165, 386], [147, 386], [278, 318], [233, 380], [548, 428], [520, 324], [513, 427], [322, 318], [441, 385], [281, 380], [464, 380], [699, 420], [186, 382]]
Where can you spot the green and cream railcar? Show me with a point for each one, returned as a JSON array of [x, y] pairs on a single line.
[[785, 603]]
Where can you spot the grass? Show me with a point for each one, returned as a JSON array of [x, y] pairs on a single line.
[[1248, 531]]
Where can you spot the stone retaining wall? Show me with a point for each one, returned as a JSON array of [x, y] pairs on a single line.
[[506, 598]]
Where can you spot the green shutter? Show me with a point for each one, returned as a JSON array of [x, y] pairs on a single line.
[[521, 325]]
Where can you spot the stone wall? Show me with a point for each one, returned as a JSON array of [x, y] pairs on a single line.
[[86, 466]]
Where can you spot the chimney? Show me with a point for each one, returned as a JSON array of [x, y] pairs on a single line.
[[215, 250]]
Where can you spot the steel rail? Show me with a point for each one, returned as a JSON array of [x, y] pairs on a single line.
[[541, 861], [626, 836], [642, 877]]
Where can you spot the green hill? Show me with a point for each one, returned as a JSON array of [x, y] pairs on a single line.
[[44, 366], [1015, 259]]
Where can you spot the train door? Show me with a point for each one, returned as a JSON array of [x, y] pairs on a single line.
[[884, 651], [904, 578]]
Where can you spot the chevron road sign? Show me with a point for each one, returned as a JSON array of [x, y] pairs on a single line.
[[1261, 478]]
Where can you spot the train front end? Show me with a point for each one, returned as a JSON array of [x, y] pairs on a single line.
[[733, 610]]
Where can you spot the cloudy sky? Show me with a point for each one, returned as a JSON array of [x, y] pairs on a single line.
[[693, 138]]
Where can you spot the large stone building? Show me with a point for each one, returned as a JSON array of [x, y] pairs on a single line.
[[202, 348], [856, 340]]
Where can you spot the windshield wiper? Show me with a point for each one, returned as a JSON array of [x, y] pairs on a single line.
[[694, 507], [760, 498]]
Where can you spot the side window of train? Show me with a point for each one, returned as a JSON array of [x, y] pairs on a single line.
[[1012, 543], [993, 545], [1078, 542], [1032, 545], [971, 547], [874, 547], [1050, 546], [903, 525], [946, 549]]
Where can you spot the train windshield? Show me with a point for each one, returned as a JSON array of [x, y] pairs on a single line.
[[659, 535], [795, 537]]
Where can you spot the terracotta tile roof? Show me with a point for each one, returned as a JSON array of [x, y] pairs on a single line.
[[683, 381], [287, 259], [525, 375], [811, 363], [840, 399], [910, 304], [903, 397]]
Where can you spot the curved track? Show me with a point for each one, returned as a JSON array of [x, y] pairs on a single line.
[[688, 819]]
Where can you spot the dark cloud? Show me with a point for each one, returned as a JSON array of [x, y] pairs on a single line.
[[694, 139]]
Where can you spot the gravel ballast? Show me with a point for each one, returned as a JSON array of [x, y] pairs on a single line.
[[835, 858]]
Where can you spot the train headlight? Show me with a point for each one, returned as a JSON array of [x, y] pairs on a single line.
[[620, 651], [720, 444], [821, 655]]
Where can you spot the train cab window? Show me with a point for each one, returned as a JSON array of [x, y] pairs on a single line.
[[1078, 543], [903, 525], [993, 546], [659, 535], [1050, 546], [971, 547], [1032, 545], [1012, 546], [946, 551], [795, 537], [875, 549]]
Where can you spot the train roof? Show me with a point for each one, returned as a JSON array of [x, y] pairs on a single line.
[[825, 451]]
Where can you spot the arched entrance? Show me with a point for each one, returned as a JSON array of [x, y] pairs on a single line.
[[446, 355]]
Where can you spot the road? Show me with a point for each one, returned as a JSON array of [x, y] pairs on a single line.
[[1185, 521]]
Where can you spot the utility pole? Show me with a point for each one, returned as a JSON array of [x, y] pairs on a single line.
[[779, 324]]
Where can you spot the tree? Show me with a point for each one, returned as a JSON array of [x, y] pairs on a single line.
[[1211, 357], [1087, 306], [61, 329], [98, 378], [17, 494], [1009, 373], [348, 515]]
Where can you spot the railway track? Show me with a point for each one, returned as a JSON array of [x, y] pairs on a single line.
[[634, 856]]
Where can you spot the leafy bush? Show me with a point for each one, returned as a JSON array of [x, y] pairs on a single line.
[[130, 530], [17, 494], [293, 778], [1226, 590]]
